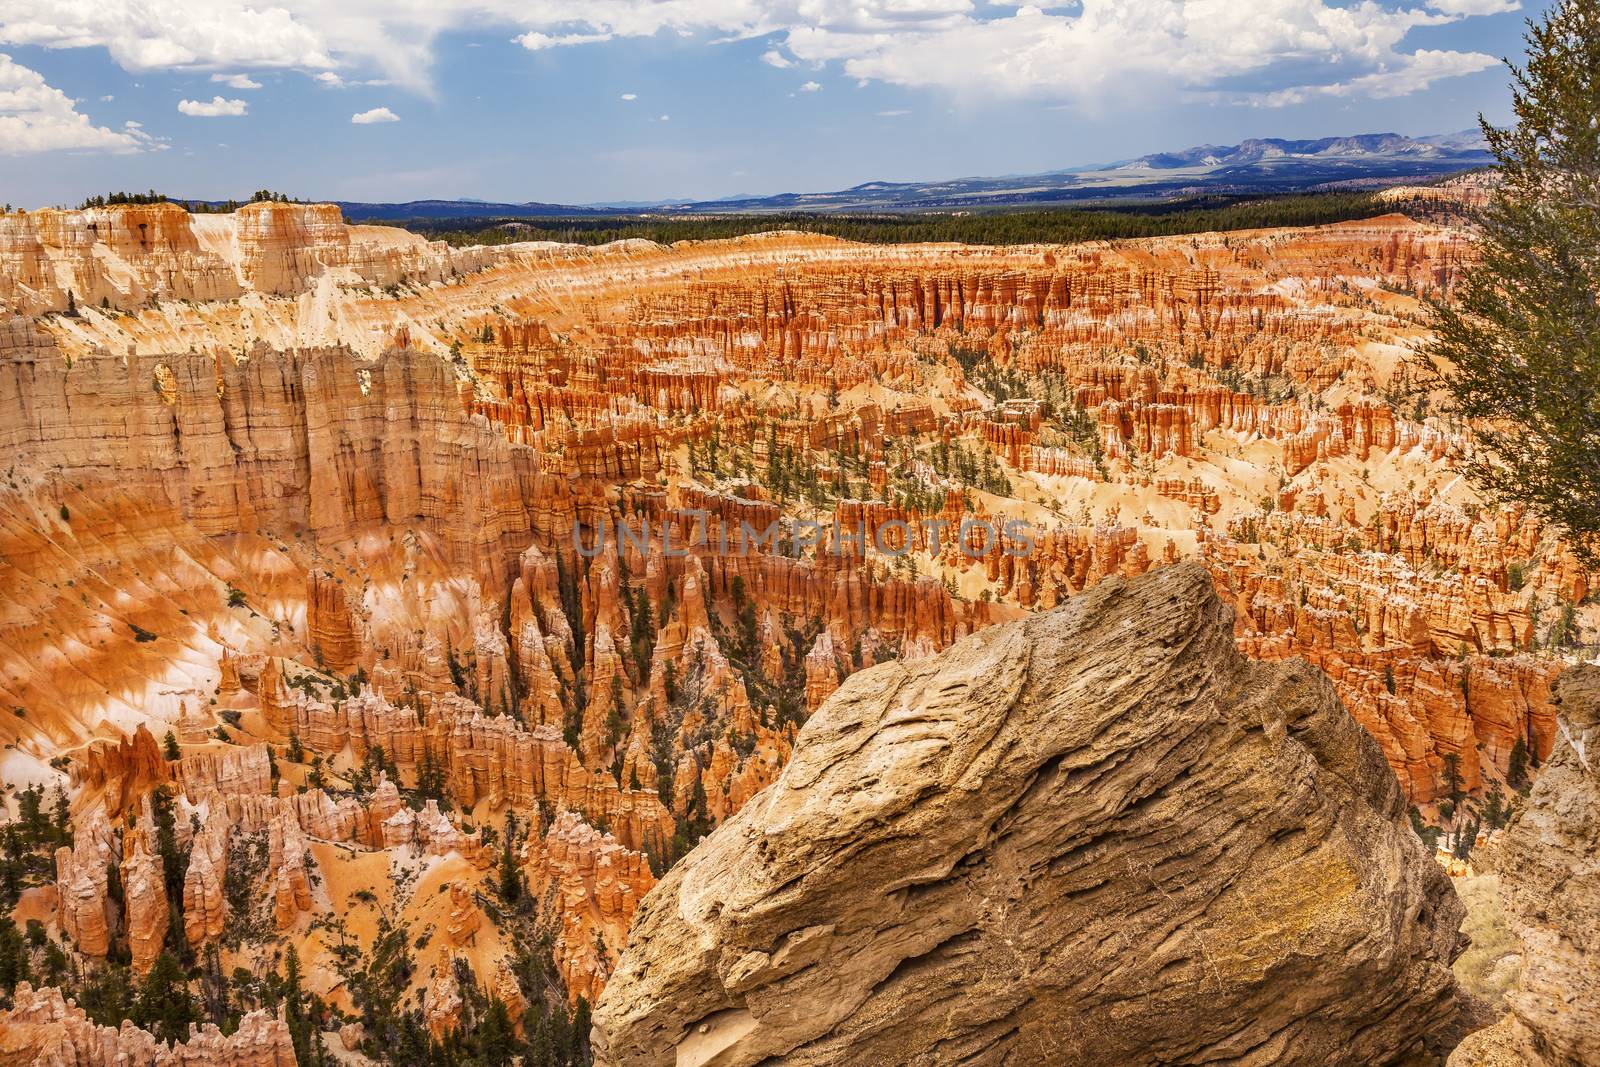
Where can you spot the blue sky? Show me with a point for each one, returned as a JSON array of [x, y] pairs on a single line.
[[574, 102]]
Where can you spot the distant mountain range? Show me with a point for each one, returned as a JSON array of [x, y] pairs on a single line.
[[361, 211], [1256, 166]]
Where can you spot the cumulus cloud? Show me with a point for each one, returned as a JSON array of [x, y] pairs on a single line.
[[236, 81], [214, 108], [1088, 54], [630, 96], [811, 87], [1115, 49], [172, 35], [36, 117], [377, 114], [329, 79]]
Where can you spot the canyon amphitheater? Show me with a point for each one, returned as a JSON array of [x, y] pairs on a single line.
[[1149, 621]]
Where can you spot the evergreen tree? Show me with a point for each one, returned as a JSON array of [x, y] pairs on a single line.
[[430, 776], [510, 879], [1517, 769], [578, 1039], [164, 1006], [1518, 350], [30, 814], [1428, 834], [1495, 813], [13, 960], [301, 1031], [496, 1040], [745, 610], [643, 636], [1452, 777], [106, 995], [214, 989], [63, 818], [174, 866]]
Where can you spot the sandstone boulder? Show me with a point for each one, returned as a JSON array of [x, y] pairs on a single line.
[[1094, 836]]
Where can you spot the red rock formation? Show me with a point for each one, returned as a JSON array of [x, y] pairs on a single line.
[[205, 909], [822, 671], [121, 771], [330, 627], [145, 891], [441, 1005], [232, 770], [591, 886], [289, 861], [465, 918], [501, 761], [44, 1028], [83, 909]]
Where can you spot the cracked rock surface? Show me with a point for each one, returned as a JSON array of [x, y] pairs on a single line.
[[1093, 836]]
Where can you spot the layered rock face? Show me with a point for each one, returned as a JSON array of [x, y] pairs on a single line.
[[988, 854], [1549, 866]]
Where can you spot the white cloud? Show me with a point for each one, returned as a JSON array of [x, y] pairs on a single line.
[[630, 96], [664, 118], [236, 81], [106, 99], [377, 114], [141, 35], [534, 41], [811, 87], [330, 79], [1413, 74], [35, 117], [1094, 53], [214, 108], [1116, 51], [1474, 7], [893, 113]]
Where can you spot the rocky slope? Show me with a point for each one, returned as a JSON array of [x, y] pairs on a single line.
[[1098, 835]]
